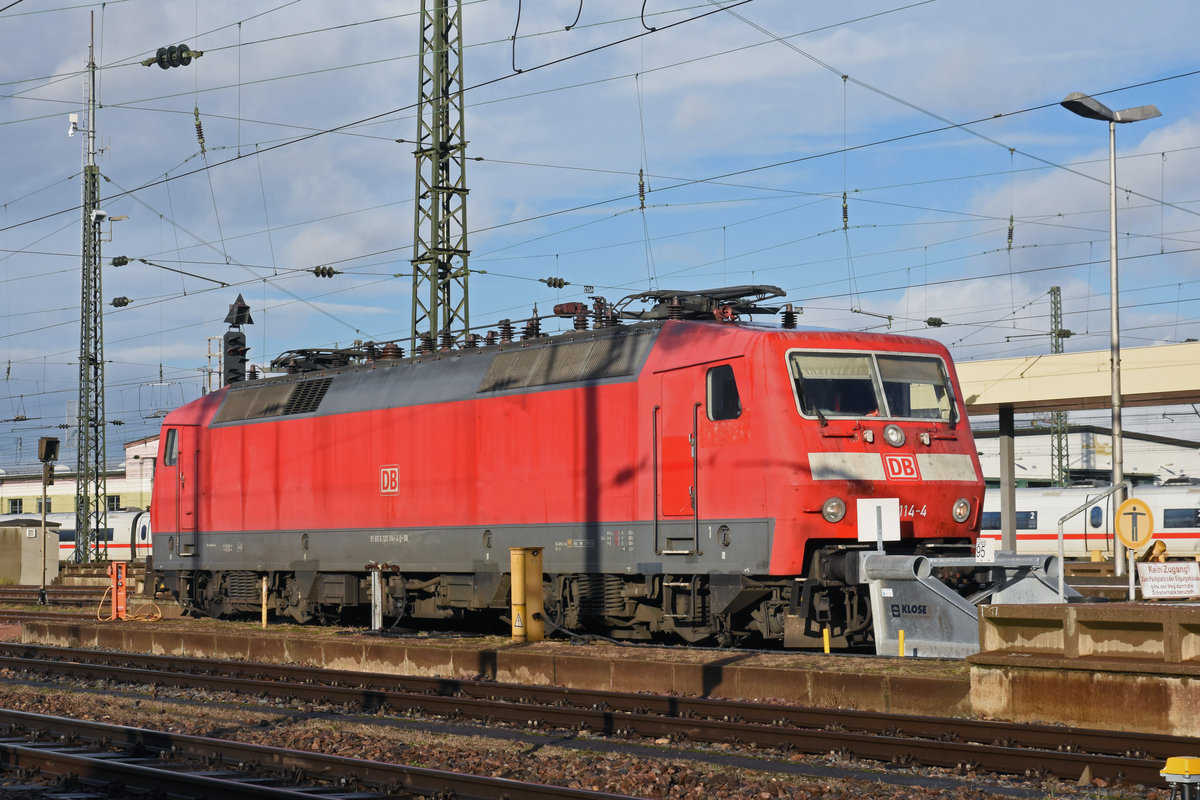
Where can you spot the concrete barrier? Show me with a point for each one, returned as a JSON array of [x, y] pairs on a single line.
[[1143, 632]]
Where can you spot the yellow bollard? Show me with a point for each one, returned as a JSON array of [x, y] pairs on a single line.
[[902, 642], [526, 588], [535, 629], [825, 637], [517, 589]]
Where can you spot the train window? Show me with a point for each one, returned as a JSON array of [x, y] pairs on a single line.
[[1026, 521], [835, 384], [915, 386], [1096, 516], [723, 399], [171, 448], [1181, 518], [868, 384]]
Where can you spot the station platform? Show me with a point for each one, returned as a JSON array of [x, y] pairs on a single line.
[[904, 686], [1117, 666], [1132, 667]]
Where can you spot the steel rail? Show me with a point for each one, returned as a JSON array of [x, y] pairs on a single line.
[[939, 741], [1084, 740], [389, 779]]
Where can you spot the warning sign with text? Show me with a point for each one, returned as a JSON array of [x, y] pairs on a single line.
[[1169, 579]]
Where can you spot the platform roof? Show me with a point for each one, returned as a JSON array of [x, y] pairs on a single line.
[[1167, 374]]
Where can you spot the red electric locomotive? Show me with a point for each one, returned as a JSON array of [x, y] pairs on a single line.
[[688, 473]]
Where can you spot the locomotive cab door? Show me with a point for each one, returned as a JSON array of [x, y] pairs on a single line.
[[676, 441], [180, 465]]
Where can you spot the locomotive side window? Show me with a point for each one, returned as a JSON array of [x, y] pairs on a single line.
[[723, 399], [171, 448]]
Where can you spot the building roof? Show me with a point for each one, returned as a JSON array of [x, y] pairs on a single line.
[[1150, 376]]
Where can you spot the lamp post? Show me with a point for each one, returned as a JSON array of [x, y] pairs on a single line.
[[1085, 106]]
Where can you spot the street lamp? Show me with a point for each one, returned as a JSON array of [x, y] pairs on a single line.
[[1085, 106]]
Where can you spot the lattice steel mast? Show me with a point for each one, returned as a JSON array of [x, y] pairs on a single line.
[[1060, 461], [90, 490], [440, 224]]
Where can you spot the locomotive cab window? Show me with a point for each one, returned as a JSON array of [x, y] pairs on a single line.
[[830, 384], [171, 448], [915, 387], [835, 384], [723, 399]]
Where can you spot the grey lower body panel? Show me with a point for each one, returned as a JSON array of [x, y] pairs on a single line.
[[629, 548]]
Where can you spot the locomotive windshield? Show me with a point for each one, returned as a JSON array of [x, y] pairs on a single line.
[[832, 384]]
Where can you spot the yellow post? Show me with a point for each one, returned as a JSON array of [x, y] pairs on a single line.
[[264, 602], [902, 642], [535, 630], [517, 560], [825, 637]]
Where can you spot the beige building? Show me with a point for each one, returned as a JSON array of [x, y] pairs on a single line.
[[127, 487]]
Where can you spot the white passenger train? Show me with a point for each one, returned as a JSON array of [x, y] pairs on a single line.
[[127, 536], [1175, 508]]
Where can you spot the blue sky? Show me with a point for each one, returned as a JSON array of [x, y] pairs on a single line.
[[945, 125]]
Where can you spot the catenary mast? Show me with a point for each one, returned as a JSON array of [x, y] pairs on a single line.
[[439, 294], [1060, 462], [90, 490]]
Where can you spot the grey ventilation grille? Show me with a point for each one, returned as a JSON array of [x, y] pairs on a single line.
[[570, 362], [250, 401]]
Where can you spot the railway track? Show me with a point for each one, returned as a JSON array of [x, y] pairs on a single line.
[[78, 596], [93, 759], [998, 747]]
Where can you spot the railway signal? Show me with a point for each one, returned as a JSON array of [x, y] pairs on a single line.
[[234, 348], [234, 357]]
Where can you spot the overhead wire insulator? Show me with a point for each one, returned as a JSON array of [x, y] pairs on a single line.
[[845, 213], [1010, 231], [120, 302], [177, 55], [325, 272], [120, 261], [555, 283], [199, 130], [642, 189]]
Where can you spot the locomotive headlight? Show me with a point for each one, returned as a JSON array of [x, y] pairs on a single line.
[[834, 509], [961, 510], [894, 435]]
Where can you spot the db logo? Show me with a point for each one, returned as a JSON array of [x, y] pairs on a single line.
[[900, 467], [389, 479]]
